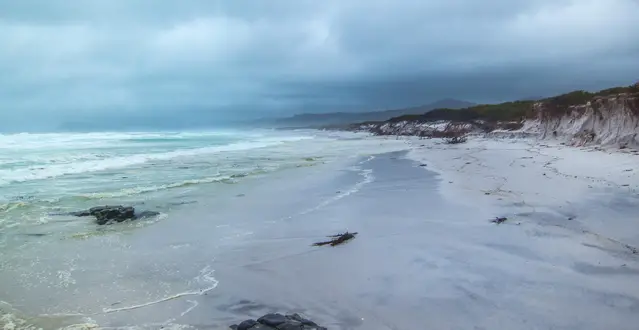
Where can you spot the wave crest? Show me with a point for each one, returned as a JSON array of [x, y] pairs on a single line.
[[144, 190], [56, 169]]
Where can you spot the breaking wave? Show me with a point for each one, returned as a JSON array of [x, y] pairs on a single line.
[[82, 165], [143, 190]]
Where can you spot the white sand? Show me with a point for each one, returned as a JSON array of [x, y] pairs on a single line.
[[527, 176], [573, 220]]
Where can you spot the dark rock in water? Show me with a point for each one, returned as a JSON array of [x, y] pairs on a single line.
[[259, 327], [114, 213], [247, 325], [291, 325], [77, 214], [337, 239], [278, 322], [302, 320], [105, 214], [146, 214], [272, 320]]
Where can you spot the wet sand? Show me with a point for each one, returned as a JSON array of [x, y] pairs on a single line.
[[426, 257], [423, 261]]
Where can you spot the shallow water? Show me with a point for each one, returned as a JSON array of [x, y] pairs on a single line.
[[45, 175], [58, 267]]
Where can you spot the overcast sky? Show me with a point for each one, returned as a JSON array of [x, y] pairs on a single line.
[[67, 59]]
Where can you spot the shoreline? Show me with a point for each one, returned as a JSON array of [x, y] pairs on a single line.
[[133, 275], [426, 252]]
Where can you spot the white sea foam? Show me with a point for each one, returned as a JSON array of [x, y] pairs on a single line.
[[10, 319], [28, 141], [37, 172], [89, 325], [142, 190], [10, 206], [367, 177], [205, 277]]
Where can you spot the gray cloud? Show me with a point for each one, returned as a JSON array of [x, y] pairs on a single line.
[[65, 59]]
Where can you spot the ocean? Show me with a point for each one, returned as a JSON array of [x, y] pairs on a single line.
[[61, 271]]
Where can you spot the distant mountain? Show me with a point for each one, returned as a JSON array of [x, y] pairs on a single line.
[[341, 118]]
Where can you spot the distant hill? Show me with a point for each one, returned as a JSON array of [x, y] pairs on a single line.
[[342, 118], [532, 98], [513, 114]]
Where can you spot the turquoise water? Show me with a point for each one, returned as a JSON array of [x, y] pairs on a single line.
[[42, 175]]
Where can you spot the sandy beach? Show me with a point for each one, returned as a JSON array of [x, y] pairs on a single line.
[[595, 189], [427, 255], [568, 252]]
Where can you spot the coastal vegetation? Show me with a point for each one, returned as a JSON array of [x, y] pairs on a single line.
[[509, 115]]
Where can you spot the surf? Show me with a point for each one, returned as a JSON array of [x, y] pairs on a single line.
[[102, 159]]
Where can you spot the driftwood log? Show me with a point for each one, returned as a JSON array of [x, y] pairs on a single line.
[[337, 239]]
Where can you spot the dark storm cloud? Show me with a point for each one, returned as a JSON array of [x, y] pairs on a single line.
[[65, 59]]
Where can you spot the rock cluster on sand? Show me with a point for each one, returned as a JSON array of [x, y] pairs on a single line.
[[117, 213], [278, 322]]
